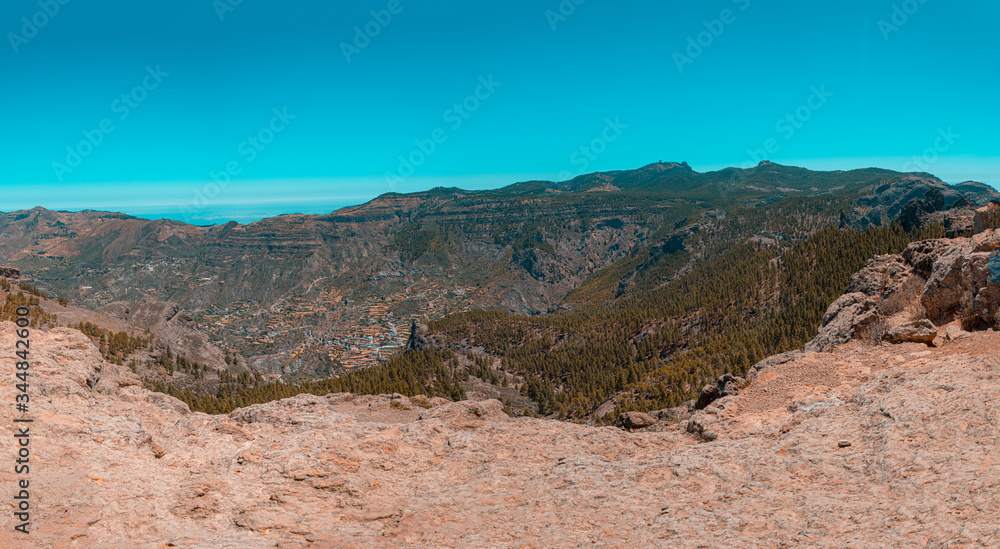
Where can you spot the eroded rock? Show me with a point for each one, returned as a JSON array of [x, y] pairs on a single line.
[[843, 320], [921, 331]]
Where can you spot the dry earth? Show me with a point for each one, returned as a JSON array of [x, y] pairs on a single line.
[[114, 465]]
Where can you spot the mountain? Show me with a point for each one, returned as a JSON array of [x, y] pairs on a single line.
[[313, 296]]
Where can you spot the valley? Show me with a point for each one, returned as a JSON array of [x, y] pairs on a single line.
[[612, 290]]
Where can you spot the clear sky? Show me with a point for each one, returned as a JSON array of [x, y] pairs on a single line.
[[309, 105]]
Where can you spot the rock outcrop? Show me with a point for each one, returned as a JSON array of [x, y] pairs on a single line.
[[951, 280], [726, 385], [844, 320], [985, 216], [632, 421], [418, 340]]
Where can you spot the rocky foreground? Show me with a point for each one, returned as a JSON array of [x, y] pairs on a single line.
[[868, 446]]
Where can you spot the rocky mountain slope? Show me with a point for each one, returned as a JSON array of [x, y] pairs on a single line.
[[866, 445], [294, 291]]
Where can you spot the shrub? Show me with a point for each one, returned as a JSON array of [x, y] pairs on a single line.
[[917, 312], [967, 313], [905, 294], [874, 333]]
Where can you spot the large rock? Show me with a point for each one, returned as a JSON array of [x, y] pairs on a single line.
[[636, 420], [880, 275], [726, 385], [960, 282], [843, 321], [921, 331], [922, 255], [984, 217], [419, 339]]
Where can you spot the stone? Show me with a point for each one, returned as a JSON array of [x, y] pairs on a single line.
[[843, 321], [879, 276], [954, 332], [726, 385], [983, 217], [922, 255], [631, 421], [920, 331], [844, 444]]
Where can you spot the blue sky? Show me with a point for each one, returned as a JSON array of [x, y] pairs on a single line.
[[204, 111]]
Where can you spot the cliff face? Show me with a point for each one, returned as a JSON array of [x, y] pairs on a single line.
[[866, 446]]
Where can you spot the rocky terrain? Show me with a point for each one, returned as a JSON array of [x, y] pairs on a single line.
[[855, 442], [294, 293]]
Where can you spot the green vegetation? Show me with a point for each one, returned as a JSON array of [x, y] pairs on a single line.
[[115, 347], [658, 345], [33, 290], [413, 243], [431, 373], [661, 345], [37, 317], [709, 294]]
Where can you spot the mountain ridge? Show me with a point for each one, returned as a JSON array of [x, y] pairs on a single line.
[[322, 294]]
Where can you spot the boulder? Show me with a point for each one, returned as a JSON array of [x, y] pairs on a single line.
[[962, 282], [984, 217], [921, 331], [954, 332], [675, 414], [636, 420], [843, 320], [725, 386]]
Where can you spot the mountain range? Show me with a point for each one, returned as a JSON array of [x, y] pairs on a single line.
[[307, 297]]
